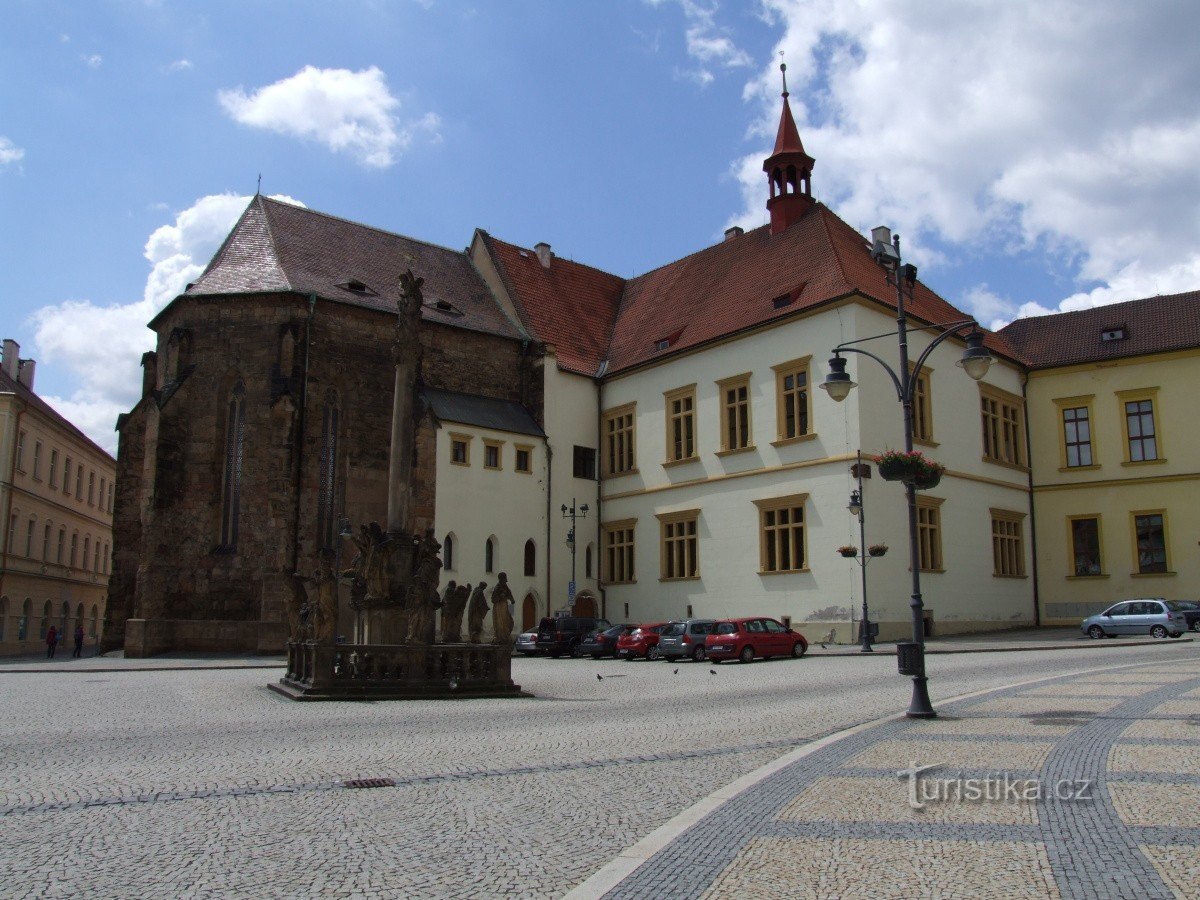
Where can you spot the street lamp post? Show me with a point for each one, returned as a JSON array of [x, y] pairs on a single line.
[[573, 514], [858, 510], [838, 384]]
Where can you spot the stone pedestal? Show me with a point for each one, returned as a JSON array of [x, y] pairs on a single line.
[[397, 672]]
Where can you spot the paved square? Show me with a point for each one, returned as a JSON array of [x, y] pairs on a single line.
[[836, 799]]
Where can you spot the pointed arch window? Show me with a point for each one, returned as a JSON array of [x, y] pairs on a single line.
[[489, 556], [231, 478], [327, 492], [530, 557], [448, 551], [587, 562]]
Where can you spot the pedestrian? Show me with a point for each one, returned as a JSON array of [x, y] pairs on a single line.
[[78, 654], [51, 641]]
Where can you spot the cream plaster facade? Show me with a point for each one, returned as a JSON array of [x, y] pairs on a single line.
[[1113, 490], [56, 492]]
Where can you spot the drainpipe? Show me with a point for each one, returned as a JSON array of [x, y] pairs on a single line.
[[600, 493], [312, 308], [12, 469], [1037, 602], [549, 550]]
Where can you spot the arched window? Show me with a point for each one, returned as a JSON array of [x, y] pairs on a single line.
[[96, 559], [23, 625], [79, 614], [231, 476], [327, 475], [489, 555], [74, 549], [95, 619], [46, 543], [87, 546], [29, 538], [62, 543], [66, 616], [448, 552], [45, 618], [587, 562], [530, 558]]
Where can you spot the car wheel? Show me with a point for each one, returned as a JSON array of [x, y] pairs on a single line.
[[1196, 625], [1176, 634], [1096, 632], [799, 649], [747, 654], [597, 656], [1158, 631], [555, 655], [652, 654], [576, 652], [630, 656], [699, 654]]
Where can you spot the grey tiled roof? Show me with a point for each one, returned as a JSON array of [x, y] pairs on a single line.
[[276, 246], [483, 412]]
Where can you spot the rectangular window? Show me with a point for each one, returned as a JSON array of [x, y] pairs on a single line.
[[20, 451], [102, 486], [53, 468], [618, 552], [922, 407], [1085, 546], [1150, 533], [62, 543], [491, 454], [1003, 426], [1008, 545], [929, 533], [735, 413], [792, 399], [680, 545], [46, 544], [584, 463], [681, 424], [1140, 431], [37, 460], [110, 496], [67, 476], [74, 549], [524, 460], [79, 482], [1077, 435], [619, 458], [460, 449], [91, 488], [29, 540], [781, 524]]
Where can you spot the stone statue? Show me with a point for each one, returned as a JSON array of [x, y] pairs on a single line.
[[475, 613], [372, 562], [298, 611], [322, 601], [452, 611], [423, 598], [502, 611], [406, 348]]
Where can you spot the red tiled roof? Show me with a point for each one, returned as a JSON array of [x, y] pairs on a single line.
[[280, 247], [788, 138], [25, 395], [569, 305], [1151, 325]]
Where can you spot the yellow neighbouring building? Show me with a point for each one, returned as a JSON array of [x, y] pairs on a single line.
[[1115, 447]]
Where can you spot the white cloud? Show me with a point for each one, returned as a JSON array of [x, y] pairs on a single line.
[[93, 60], [350, 112], [9, 152], [707, 42], [180, 65], [101, 346], [1000, 125]]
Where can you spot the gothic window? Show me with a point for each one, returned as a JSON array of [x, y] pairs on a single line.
[[530, 558], [587, 562], [327, 489], [489, 556], [231, 479], [448, 552]]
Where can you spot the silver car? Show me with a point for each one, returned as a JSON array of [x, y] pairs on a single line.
[[1152, 615], [685, 638]]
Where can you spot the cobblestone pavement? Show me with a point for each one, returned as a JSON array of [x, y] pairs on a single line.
[[204, 783], [1081, 786]]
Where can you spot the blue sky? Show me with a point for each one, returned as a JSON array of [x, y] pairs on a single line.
[[1026, 170]]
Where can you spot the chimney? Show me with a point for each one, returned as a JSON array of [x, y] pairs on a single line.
[[25, 372], [10, 361], [543, 252], [735, 231], [149, 372]]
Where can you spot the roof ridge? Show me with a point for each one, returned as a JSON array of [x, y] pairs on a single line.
[[841, 265], [274, 247], [522, 316], [568, 259], [29, 396], [1103, 306], [697, 252]]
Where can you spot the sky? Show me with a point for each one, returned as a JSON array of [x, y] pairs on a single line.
[[1034, 156]]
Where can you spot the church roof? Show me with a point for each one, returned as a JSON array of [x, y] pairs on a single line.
[[483, 412], [276, 246], [1120, 330], [568, 305]]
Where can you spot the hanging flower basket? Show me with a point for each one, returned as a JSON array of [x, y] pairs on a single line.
[[930, 478], [848, 552], [912, 467], [877, 549]]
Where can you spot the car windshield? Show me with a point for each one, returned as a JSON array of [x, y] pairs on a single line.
[[615, 630], [1173, 606], [673, 630]]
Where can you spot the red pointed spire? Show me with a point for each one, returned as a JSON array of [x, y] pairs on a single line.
[[789, 170]]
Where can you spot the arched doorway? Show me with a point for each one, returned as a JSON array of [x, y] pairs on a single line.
[[529, 616], [585, 605]]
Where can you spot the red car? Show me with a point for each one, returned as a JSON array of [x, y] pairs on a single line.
[[641, 641], [745, 639]]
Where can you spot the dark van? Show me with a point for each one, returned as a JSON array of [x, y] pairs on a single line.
[[563, 634]]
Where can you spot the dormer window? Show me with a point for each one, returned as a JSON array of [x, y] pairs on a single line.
[[445, 306], [1113, 334], [789, 298], [781, 302], [663, 344], [354, 286]]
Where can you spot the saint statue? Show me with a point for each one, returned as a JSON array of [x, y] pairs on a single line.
[[423, 598], [454, 601], [502, 611], [475, 613]]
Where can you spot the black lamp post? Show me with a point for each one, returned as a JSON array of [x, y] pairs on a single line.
[[859, 512], [573, 514], [838, 384], [343, 533]]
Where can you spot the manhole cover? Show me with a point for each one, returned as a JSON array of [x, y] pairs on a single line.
[[368, 783]]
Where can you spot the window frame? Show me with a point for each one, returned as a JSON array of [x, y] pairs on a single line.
[[465, 439], [612, 430], [527, 449], [685, 418], [774, 504], [727, 408], [989, 392], [575, 467], [1008, 517], [1136, 514], [690, 543], [627, 547], [498, 446], [922, 405], [782, 370], [928, 504], [1061, 405], [1072, 573], [1139, 395]]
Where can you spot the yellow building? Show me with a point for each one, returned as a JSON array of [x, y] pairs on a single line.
[[56, 493], [1115, 450]]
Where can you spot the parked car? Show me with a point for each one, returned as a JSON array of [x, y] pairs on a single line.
[[745, 639], [1191, 612], [526, 643], [1152, 615], [686, 638], [600, 642], [641, 641], [556, 636]]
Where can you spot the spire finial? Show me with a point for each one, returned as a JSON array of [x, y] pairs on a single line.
[[783, 69], [258, 188]]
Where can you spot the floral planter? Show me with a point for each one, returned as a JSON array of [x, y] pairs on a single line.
[[877, 551], [849, 554], [927, 480], [895, 470]]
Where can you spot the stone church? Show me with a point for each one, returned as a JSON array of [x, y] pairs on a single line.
[[641, 448]]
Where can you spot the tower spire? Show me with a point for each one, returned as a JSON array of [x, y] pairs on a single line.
[[789, 170]]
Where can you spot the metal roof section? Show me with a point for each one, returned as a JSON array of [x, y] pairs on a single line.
[[482, 412]]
